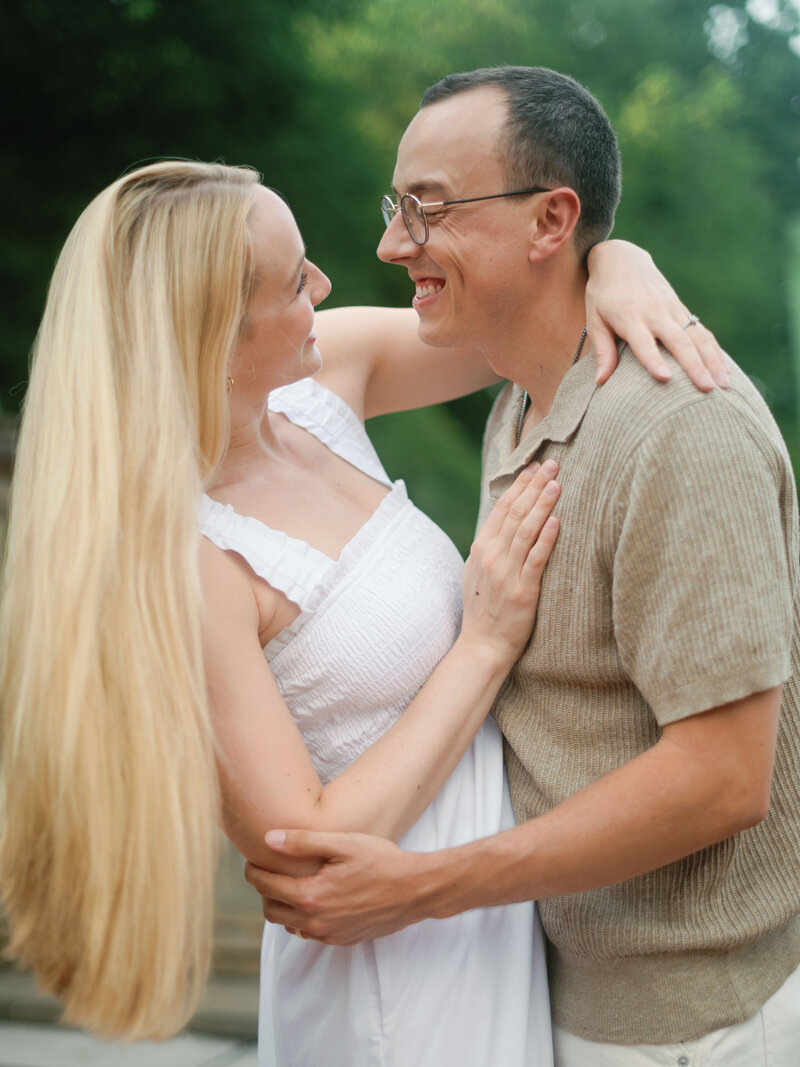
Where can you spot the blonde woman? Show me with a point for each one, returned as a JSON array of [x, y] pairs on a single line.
[[271, 673]]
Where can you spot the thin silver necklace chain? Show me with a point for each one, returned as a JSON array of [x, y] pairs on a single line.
[[523, 411]]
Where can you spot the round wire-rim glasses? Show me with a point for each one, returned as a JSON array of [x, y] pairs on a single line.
[[415, 218]]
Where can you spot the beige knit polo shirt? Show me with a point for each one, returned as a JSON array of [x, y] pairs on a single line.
[[673, 588]]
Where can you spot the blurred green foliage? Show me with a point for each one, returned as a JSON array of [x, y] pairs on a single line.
[[705, 99]]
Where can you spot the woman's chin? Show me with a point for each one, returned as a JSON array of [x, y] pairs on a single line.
[[308, 365], [312, 362]]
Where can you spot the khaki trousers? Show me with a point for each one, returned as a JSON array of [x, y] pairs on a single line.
[[769, 1039]]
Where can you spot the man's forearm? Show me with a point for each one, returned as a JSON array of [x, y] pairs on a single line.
[[584, 843], [707, 778], [665, 804]]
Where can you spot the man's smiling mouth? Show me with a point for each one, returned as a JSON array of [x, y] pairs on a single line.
[[428, 287]]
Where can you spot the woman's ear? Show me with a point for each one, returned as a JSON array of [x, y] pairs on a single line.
[[553, 222]]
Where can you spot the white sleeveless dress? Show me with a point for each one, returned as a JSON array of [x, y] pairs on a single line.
[[469, 991]]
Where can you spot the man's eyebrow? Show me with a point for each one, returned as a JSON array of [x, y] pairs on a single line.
[[420, 189]]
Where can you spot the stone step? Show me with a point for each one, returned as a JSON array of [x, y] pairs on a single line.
[[229, 1005], [237, 943]]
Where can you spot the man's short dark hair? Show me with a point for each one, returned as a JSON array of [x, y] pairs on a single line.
[[556, 134]]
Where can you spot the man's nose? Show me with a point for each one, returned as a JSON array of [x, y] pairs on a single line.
[[396, 243]]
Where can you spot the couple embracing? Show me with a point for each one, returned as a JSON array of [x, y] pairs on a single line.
[[650, 716]]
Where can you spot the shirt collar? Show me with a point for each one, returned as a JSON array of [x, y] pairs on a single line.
[[565, 416]]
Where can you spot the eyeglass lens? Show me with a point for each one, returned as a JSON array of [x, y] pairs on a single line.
[[388, 209], [412, 212], [414, 216]]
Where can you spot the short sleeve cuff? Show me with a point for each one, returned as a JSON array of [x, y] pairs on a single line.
[[714, 690]]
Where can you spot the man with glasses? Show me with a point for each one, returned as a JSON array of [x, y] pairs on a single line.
[[652, 725], [415, 213]]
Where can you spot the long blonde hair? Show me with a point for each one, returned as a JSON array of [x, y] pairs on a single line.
[[109, 790]]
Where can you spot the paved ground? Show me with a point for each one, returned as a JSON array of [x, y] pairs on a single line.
[[46, 1045], [222, 1032]]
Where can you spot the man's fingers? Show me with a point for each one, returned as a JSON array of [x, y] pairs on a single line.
[[277, 886], [284, 900], [275, 911], [305, 843]]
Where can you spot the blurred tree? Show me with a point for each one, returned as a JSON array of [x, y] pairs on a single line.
[[709, 134], [704, 101], [90, 89], [437, 458], [704, 98]]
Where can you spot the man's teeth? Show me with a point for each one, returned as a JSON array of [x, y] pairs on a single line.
[[429, 290]]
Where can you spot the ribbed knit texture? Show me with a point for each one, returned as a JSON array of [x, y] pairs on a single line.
[[673, 588]]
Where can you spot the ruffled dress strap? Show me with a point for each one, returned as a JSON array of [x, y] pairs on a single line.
[[325, 415], [296, 569], [300, 572]]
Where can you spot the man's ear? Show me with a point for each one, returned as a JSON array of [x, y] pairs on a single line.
[[553, 222]]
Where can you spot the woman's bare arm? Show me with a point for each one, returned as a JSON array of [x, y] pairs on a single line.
[[266, 772], [374, 359]]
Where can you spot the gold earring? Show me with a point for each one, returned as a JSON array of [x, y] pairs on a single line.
[[231, 382]]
